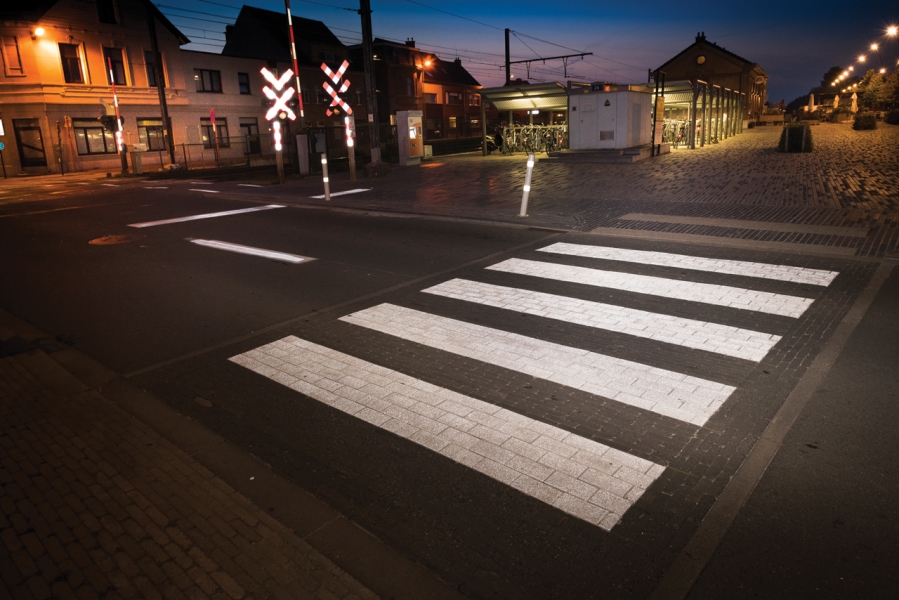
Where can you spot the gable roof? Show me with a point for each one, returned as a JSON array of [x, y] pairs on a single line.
[[449, 72], [701, 41], [263, 34], [36, 9]]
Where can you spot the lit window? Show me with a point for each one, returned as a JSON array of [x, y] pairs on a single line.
[[151, 133], [221, 127], [92, 138], [208, 81]]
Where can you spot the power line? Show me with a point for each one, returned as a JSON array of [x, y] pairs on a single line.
[[454, 15]]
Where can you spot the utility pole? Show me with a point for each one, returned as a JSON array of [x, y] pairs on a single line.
[[508, 64], [370, 92], [159, 72]]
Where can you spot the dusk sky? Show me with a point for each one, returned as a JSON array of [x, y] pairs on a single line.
[[795, 42]]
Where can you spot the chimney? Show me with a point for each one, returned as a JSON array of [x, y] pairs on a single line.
[[458, 61], [700, 36], [410, 42]]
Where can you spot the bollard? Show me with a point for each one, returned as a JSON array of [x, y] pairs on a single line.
[[325, 177], [527, 187]]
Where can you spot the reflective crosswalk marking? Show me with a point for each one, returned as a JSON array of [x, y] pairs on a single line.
[[720, 295], [581, 477], [679, 396], [714, 265], [723, 339]]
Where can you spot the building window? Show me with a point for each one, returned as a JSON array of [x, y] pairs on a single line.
[[410, 87], [306, 96], [12, 60], [328, 57], [92, 138], [106, 11], [474, 100], [359, 97], [430, 98], [452, 123], [118, 65], [208, 81], [150, 60], [453, 98], [221, 127], [243, 82], [151, 133], [71, 63]]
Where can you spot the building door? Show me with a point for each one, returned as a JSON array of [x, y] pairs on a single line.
[[30, 142]]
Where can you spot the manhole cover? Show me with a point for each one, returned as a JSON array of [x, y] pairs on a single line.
[[108, 240]]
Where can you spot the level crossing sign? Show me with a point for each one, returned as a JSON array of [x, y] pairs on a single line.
[[279, 97], [336, 100]]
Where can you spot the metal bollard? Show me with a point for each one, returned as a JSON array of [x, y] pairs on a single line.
[[325, 177], [527, 187]]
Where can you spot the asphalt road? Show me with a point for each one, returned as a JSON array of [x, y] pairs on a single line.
[[187, 322]]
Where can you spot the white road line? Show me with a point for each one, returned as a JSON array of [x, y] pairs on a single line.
[[240, 249], [581, 477], [248, 185], [675, 395], [714, 265], [712, 337], [110, 184], [356, 191], [206, 216], [155, 188], [207, 191], [719, 295]]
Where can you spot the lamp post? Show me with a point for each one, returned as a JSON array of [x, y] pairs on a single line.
[[893, 32], [876, 48]]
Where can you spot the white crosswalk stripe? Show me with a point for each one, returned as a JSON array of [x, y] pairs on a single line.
[[714, 265], [675, 395], [712, 337], [719, 295], [584, 478]]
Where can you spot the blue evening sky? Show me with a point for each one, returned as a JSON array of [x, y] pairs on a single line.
[[795, 42]]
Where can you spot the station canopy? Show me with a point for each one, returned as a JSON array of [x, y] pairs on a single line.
[[679, 92], [541, 96]]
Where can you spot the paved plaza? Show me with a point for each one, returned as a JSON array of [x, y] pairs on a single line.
[[115, 485]]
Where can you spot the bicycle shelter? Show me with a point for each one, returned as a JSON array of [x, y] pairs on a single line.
[[696, 113], [551, 97]]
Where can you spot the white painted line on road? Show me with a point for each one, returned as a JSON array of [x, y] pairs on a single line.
[[155, 188], [206, 216], [110, 184], [714, 265], [356, 191], [248, 185], [583, 478], [240, 249], [719, 295], [207, 191], [668, 393], [712, 337]]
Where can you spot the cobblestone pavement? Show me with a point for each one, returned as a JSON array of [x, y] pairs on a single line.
[[849, 182], [95, 504]]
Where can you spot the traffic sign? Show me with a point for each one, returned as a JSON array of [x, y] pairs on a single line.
[[2, 146], [280, 101], [335, 77]]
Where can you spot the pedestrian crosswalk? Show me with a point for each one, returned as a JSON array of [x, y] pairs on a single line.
[[588, 479]]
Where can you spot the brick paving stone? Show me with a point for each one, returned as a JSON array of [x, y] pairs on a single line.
[[94, 504]]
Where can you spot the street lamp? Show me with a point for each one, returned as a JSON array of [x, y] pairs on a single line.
[[876, 48]]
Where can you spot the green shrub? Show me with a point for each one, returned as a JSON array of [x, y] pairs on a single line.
[[892, 117], [865, 121], [839, 113], [795, 142]]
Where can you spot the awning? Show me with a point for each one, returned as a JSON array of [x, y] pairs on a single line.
[[542, 96]]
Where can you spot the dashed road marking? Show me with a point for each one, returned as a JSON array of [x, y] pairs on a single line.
[[225, 213]]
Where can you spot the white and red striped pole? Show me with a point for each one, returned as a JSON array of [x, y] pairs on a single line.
[[296, 68], [120, 144]]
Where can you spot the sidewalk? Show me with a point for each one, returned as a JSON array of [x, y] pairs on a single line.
[[96, 504]]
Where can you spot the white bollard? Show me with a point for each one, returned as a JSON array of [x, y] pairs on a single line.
[[527, 187], [325, 177]]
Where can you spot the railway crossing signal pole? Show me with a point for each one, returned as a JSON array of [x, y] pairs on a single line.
[[368, 65], [280, 96]]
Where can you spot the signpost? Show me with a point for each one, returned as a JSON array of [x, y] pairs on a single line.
[[2, 160], [279, 110], [120, 143], [336, 101], [215, 136]]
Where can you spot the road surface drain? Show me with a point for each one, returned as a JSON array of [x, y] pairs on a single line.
[[108, 240]]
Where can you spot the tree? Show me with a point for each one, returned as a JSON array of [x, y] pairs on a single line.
[[829, 78]]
